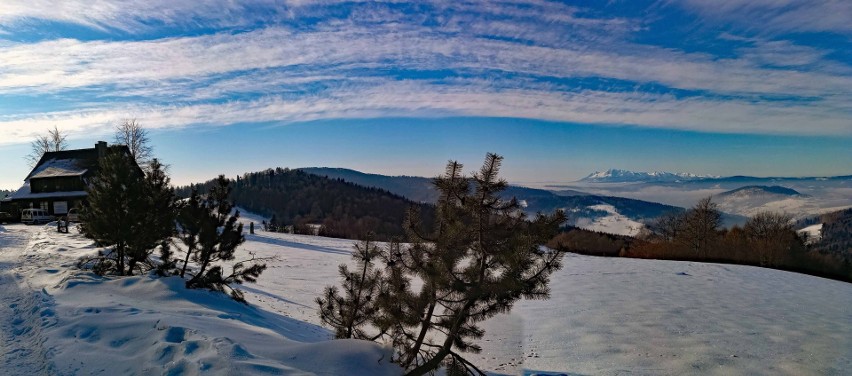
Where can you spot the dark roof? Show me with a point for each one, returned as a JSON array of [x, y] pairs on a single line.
[[77, 162], [59, 167], [70, 162]]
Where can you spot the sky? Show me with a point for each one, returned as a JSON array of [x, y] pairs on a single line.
[[561, 89]]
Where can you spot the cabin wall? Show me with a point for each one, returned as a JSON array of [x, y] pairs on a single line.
[[57, 184], [58, 206]]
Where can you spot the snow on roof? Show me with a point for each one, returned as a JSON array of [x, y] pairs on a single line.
[[24, 193], [58, 167]]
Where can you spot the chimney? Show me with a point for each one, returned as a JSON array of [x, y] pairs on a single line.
[[101, 147]]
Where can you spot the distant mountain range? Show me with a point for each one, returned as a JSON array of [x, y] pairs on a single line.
[[595, 211], [625, 176]]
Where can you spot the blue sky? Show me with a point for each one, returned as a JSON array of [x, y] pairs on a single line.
[[758, 87]]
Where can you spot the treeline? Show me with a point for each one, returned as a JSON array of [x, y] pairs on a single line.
[[295, 200], [767, 239], [593, 243]]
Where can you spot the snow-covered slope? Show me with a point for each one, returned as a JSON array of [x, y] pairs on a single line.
[[617, 316], [60, 320], [613, 222], [812, 232], [605, 317], [625, 176]]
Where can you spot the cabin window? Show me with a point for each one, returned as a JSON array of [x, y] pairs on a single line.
[[43, 205], [60, 207]]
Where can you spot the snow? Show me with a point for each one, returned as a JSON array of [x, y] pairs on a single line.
[[613, 223], [606, 316], [609, 316], [61, 320], [616, 175], [57, 167], [814, 232]]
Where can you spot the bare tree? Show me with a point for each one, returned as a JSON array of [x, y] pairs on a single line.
[[54, 140], [668, 226], [771, 234], [701, 225], [130, 133]]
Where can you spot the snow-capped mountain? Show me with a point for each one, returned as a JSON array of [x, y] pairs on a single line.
[[625, 176]]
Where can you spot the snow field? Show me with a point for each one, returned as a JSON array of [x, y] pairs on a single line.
[[142, 325], [605, 317], [613, 223], [610, 316]]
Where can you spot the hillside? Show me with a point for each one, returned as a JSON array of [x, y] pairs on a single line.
[[836, 234], [760, 190], [752, 199], [604, 316], [798, 196], [597, 212], [298, 198]]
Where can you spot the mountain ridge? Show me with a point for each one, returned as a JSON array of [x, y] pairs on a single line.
[[627, 176], [615, 175]]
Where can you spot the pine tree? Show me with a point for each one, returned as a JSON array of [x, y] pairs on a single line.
[[129, 211], [158, 218], [481, 257], [211, 235], [350, 313]]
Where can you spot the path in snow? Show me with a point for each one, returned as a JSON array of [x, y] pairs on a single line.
[[22, 312]]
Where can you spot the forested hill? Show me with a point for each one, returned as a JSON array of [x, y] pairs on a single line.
[[344, 209], [837, 234], [536, 200]]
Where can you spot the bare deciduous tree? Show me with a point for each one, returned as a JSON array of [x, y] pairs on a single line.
[[668, 226], [54, 140], [131, 133], [771, 234], [701, 225]]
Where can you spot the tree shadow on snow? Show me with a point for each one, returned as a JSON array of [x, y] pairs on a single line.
[[286, 243], [270, 295], [528, 372]]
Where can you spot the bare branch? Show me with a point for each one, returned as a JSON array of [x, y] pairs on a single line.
[[131, 133], [54, 140]]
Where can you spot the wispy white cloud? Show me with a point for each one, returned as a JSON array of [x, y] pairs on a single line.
[[507, 58], [141, 16], [62, 64], [474, 98], [777, 16]]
